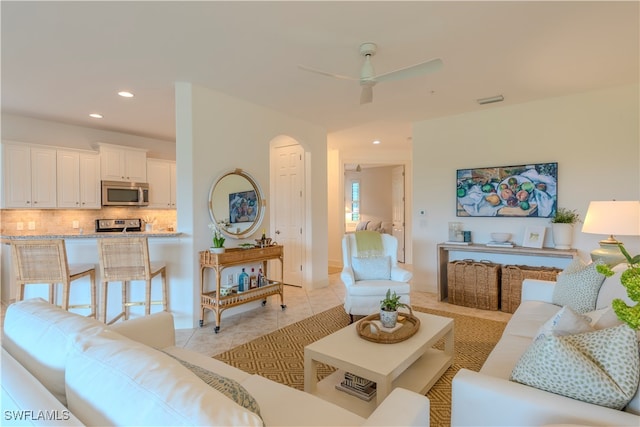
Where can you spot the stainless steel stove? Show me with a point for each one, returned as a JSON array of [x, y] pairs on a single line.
[[118, 225]]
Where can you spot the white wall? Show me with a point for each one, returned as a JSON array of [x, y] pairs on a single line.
[[593, 137], [217, 133]]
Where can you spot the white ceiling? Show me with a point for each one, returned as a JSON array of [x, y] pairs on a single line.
[[64, 60]]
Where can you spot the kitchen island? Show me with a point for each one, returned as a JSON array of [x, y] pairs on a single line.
[[164, 246]]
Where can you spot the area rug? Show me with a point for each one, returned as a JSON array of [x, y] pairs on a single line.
[[279, 355]]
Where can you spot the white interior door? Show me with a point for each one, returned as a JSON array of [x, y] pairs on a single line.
[[397, 197], [288, 210]]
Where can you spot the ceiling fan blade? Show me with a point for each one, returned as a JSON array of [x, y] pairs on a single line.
[[366, 95], [325, 73], [426, 67]]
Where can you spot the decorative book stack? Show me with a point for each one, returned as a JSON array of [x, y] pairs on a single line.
[[493, 244], [357, 386]]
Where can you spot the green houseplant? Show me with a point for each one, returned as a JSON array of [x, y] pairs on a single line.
[[389, 309], [562, 227], [630, 279]]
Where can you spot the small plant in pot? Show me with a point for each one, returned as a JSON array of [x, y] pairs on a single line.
[[562, 226], [389, 309]]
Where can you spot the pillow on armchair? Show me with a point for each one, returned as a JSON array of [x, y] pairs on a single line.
[[371, 268], [362, 225]]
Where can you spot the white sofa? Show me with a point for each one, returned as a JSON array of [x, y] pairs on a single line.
[[59, 368], [489, 398]]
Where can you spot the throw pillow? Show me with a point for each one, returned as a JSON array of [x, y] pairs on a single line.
[[372, 268], [227, 386], [566, 322], [603, 318], [578, 288], [599, 367]]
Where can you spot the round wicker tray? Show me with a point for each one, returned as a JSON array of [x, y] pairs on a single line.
[[410, 325]]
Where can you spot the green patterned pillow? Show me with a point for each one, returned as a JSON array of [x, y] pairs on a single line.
[[600, 367], [230, 388], [578, 287]]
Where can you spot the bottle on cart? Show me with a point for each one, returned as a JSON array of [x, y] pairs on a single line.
[[253, 279], [243, 281], [261, 279]]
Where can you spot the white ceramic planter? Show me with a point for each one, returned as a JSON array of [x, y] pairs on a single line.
[[388, 318], [216, 250], [562, 235]]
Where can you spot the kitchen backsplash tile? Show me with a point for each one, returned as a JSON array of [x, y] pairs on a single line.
[[60, 221]]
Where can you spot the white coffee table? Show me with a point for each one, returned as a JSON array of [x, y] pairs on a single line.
[[412, 364]]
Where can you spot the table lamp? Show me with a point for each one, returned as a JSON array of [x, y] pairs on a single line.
[[609, 218]]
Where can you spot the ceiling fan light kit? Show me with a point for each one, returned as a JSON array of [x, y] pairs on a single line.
[[368, 78]]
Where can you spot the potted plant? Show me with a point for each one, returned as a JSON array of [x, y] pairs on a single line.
[[562, 227], [630, 279], [218, 238], [389, 309]]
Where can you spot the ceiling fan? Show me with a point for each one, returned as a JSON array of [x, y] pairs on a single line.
[[368, 79]]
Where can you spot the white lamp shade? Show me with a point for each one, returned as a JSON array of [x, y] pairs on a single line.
[[613, 217]]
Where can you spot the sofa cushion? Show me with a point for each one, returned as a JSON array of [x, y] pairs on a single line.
[[38, 335], [112, 380], [600, 367], [528, 318], [227, 386], [371, 268], [578, 287], [566, 322]]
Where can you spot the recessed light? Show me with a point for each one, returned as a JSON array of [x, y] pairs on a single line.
[[125, 94], [95, 115], [376, 142]]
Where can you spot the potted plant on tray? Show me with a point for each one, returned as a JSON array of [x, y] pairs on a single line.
[[389, 309], [562, 226]]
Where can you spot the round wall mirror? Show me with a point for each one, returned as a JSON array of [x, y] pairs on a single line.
[[236, 200]]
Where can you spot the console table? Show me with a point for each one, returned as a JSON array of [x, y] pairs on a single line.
[[214, 301], [445, 248]]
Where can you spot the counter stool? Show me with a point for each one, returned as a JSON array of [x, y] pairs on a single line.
[[45, 261], [125, 259]]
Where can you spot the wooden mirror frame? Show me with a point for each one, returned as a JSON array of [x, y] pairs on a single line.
[[250, 202]]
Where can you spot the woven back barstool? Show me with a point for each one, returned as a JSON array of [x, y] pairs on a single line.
[[126, 259], [45, 262]]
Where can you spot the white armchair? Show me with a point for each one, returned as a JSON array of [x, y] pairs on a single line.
[[367, 279]]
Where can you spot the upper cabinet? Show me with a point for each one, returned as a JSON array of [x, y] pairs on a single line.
[[119, 163], [78, 179], [161, 175], [29, 176]]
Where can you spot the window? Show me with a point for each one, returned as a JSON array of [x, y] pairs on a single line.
[[355, 201]]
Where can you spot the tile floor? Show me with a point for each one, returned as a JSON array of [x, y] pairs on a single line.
[[243, 327]]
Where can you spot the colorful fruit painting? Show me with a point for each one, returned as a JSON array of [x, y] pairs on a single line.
[[517, 191]]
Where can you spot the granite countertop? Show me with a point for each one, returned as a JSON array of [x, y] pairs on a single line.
[[6, 238]]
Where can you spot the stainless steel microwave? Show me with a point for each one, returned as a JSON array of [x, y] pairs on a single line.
[[120, 193]]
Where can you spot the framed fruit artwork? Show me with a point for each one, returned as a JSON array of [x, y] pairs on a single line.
[[528, 191]]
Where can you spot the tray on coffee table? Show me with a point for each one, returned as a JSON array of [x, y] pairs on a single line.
[[410, 325]]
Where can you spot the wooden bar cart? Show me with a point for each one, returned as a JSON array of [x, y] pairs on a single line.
[[216, 302]]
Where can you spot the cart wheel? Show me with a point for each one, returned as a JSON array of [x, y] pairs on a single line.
[[283, 306], [264, 302], [216, 329], [201, 323]]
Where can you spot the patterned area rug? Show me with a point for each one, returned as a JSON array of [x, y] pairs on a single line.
[[279, 355]]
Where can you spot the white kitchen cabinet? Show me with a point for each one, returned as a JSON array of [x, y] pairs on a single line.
[[161, 175], [123, 163], [78, 179], [29, 174]]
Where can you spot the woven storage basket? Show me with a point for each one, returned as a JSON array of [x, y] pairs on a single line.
[[474, 284], [511, 282]]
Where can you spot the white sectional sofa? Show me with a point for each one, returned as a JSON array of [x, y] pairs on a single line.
[[59, 368], [489, 398]]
